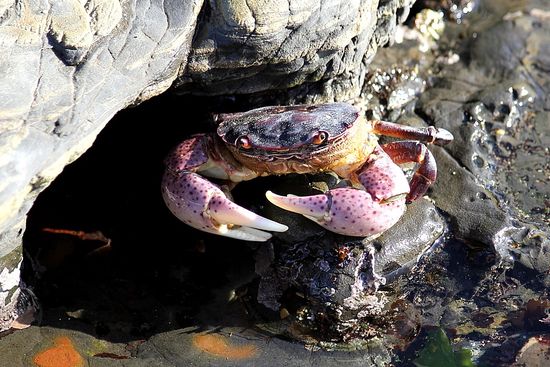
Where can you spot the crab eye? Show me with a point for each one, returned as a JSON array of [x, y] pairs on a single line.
[[320, 137], [244, 142]]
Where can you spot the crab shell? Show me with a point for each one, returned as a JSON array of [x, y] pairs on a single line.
[[282, 140]]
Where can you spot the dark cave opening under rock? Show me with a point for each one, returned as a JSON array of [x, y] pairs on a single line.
[[155, 273]]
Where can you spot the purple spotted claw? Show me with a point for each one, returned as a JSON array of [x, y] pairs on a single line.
[[346, 211], [352, 211], [202, 205]]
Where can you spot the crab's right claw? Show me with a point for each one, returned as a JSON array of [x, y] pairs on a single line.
[[202, 205], [347, 211]]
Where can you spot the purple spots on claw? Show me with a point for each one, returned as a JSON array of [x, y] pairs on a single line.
[[382, 178], [211, 211], [369, 212], [333, 219]]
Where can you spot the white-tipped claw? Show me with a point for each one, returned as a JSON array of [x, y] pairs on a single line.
[[244, 233], [314, 207], [347, 211], [224, 211], [237, 222], [202, 205]]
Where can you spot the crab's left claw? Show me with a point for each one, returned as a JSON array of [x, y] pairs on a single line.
[[202, 205], [237, 222], [347, 211]]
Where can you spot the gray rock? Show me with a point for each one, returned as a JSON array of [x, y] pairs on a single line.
[[400, 247], [70, 68], [286, 43], [72, 65], [284, 46], [488, 85], [494, 105], [334, 278], [180, 347]]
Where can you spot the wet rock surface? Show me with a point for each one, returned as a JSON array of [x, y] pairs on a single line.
[[493, 109], [471, 259], [493, 185], [331, 284]]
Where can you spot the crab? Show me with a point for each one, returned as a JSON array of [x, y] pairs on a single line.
[[278, 140]]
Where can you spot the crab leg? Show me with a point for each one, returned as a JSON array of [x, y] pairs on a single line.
[[202, 205], [428, 134], [356, 212], [413, 151]]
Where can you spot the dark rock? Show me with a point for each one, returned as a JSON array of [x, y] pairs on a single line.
[[400, 247], [54, 101], [330, 283]]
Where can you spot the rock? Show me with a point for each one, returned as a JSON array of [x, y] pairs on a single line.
[[487, 89], [234, 346], [51, 347], [69, 30], [494, 113], [70, 68], [285, 43], [72, 65], [286, 50], [399, 248], [331, 282]]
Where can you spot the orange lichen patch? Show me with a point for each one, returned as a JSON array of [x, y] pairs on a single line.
[[62, 354], [217, 345]]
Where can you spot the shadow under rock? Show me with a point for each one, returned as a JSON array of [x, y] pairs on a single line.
[[149, 273]]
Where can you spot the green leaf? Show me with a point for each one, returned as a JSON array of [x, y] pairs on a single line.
[[438, 352]]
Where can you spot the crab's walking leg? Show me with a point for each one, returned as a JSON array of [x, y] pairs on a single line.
[[413, 151], [428, 134], [356, 212]]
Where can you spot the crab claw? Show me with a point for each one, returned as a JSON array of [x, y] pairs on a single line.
[[202, 205], [346, 211]]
